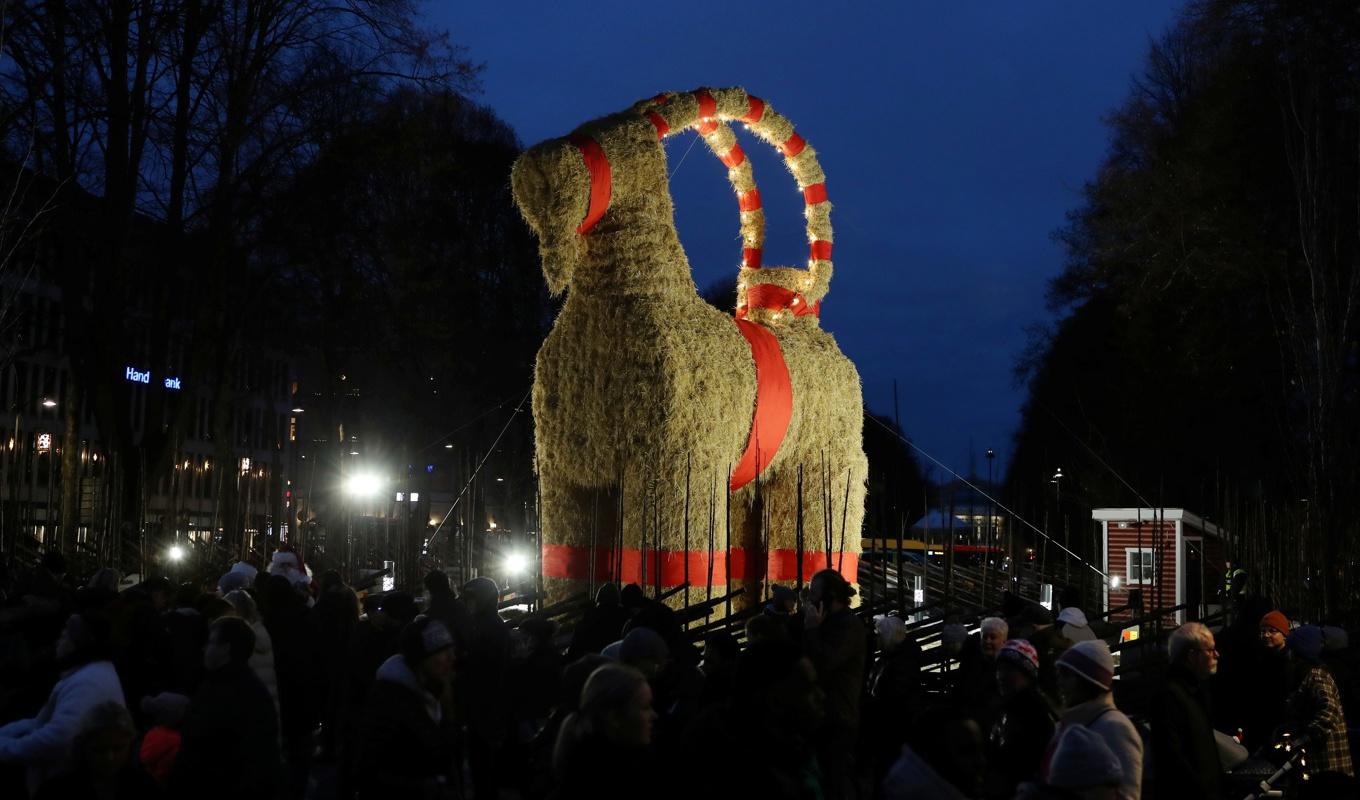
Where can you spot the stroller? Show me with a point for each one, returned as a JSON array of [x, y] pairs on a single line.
[[1278, 770]]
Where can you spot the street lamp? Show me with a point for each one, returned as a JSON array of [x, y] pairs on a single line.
[[363, 485], [359, 486], [175, 553], [1056, 480], [49, 403]]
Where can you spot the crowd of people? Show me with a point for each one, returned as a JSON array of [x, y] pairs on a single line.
[[274, 684]]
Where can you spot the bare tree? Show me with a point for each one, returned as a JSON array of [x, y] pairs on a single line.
[[179, 115]]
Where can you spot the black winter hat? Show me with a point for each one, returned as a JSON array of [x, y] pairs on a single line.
[[422, 638], [400, 606]]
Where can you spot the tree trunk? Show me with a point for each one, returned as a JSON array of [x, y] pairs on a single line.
[[69, 513]]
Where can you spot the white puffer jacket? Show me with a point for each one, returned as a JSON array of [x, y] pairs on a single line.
[[43, 742], [262, 661]]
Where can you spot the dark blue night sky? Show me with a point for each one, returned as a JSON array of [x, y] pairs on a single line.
[[955, 136]]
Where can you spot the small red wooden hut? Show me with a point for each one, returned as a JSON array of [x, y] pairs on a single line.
[[1172, 556]]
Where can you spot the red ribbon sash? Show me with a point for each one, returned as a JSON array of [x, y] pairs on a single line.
[[573, 562], [774, 403]]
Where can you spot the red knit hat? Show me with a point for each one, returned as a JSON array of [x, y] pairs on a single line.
[[1277, 621]]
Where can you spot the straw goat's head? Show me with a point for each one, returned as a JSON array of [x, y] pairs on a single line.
[[552, 188]]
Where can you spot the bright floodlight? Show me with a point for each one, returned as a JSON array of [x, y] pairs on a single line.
[[516, 563], [364, 484], [49, 403], [176, 553], [1114, 582]]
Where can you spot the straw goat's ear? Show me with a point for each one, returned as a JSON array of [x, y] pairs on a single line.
[[552, 188]]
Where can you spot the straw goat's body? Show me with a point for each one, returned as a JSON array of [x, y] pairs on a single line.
[[644, 386]]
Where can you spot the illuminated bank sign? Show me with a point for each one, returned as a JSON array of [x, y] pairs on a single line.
[[135, 375]]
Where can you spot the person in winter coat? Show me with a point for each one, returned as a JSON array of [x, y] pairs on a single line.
[[376, 638], [485, 672], [447, 607], [1083, 768], [160, 745], [408, 743], [763, 740], [88, 679], [1262, 710], [894, 691], [1017, 740], [1086, 680], [185, 633], [719, 667], [141, 646], [974, 687], [783, 607], [331, 623], [1314, 707], [1184, 753], [101, 763], [603, 624], [229, 744], [284, 611], [942, 760], [1048, 642], [895, 681], [834, 640], [1072, 625], [604, 749], [262, 658]]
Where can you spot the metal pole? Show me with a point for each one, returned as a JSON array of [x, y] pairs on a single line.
[[798, 530], [727, 548], [991, 522], [685, 554], [712, 528], [47, 515]]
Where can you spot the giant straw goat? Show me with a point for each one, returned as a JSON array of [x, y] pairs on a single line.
[[649, 403]]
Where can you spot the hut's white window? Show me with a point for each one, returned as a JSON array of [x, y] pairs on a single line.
[[1139, 563]]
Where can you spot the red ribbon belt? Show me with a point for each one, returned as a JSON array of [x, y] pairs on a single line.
[[774, 403], [573, 562]]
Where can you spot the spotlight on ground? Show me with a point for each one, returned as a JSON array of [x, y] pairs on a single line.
[[516, 563]]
